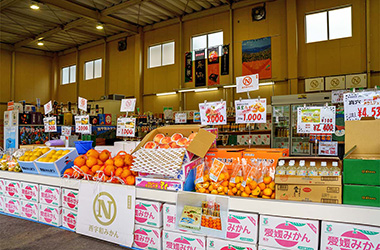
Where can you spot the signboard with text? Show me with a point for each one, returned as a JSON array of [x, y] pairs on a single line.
[[328, 148], [48, 107], [50, 124], [128, 105], [180, 118], [361, 104], [82, 103], [247, 83], [82, 124], [316, 119], [126, 127], [251, 111], [213, 113], [66, 130]]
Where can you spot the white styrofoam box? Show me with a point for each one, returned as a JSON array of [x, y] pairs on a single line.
[[242, 227], [50, 195], [12, 188], [70, 198], [349, 236], [2, 186], [29, 210], [2, 203], [147, 237], [172, 240], [127, 146], [50, 215], [12, 205], [268, 248], [69, 218], [219, 244], [288, 233], [148, 213], [29, 191]]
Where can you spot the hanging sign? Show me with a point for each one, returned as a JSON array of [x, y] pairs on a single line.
[[128, 105], [180, 118], [82, 124], [50, 124], [188, 67], [356, 81], [328, 148], [335, 82], [225, 65], [316, 119], [247, 83], [11, 106], [213, 113], [337, 95], [251, 111], [82, 103], [126, 127], [48, 107], [361, 104], [197, 117], [168, 113], [66, 130]]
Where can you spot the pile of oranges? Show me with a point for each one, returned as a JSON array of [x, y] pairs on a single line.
[[211, 222], [214, 187], [102, 167]]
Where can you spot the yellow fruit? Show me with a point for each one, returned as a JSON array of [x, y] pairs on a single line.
[[32, 158], [26, 158], [256, 191], [45, 150], [52, 160], [42, 159], [267, 192], [53, 151], [214, 192], [21, 158]]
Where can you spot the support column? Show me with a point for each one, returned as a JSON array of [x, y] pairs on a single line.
[[292, 45], [77, 73], [105, 68], [182, 104], [139, 69], [55, 79], [368, 37], [231, 91], [13, 68]]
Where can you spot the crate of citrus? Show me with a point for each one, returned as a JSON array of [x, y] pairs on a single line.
[[27, 161], [55, 161]]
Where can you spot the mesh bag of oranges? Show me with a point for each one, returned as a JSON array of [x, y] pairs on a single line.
[[236, 179], [214, 180]]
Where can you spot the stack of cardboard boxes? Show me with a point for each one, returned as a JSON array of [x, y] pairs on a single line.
[[69, 208], [11, 197]]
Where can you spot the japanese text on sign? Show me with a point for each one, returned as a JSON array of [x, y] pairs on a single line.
[[361, 104], [213, 113], [128, 105], [50, 124], [48, 107], [316, 119], [66, 130], [82, 124], [82, 103], [328, 148], [247, 83], [337, 95], [251, 111], [180, 118], [126, 127]]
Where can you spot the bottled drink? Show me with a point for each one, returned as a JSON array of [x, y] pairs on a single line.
[[312, 171], [291, 169], [323, 170], [280, 170], [301, 169], [335, 171]]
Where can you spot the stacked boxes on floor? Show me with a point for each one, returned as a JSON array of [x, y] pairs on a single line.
[[11, 190], [29, 207], [69, 208], [50, 205]]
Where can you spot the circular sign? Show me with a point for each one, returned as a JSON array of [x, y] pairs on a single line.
[[247, 81], [104, 208]]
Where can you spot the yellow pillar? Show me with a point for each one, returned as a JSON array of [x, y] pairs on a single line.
[[139, 69], [292, 45]]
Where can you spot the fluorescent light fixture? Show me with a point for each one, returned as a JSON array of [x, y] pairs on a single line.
[[185, 90], [266, 83], [205, 89], [40, 43], [99, 26], [34, 6], [167, 93], [229, 86]]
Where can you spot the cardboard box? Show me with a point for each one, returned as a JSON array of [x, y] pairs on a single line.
[[172, 240], [29, 210], [50, 195], [242, 227], [59, 166], [12, 188], [162, 184], [300, 234], [148, 213], [70, 198], [228, 156], [361, 195], [69, 218], [51, 215], [169, 217], [2, 186], [309, 180], [218, 244], [337, 236], [313, 193], [2, 203], [268, 248], [29, 191], [12, 205], [147, 237]]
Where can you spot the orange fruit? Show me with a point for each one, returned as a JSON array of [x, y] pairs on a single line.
[[118, 172], [95, 168], [119, 162], [80, 161], [109, 162], [267, 179], [267, 192], [68, 172], [244, 194], [77, 174], [272, 185], [91, 161], [220, 189], [221, 177], [100, 163], [225, 183], [247, 190], [109, 169], [102, 168], [125, 173], [130, 180], [261, 185], [84, 169], [252, 185], [128, 159], [273, 196], [214, 192], [256, 191], [92, 153], [104, 155], [265, 197], [234, 190]]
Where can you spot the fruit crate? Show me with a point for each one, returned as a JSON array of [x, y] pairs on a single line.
[[57, 167], [30, 167]]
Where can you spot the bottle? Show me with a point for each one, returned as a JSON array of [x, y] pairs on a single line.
[[291, 169], [323, 170], [301, 169], [280, 170], [312, 171], [335, 171]]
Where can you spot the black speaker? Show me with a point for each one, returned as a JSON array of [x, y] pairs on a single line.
[[122, 45], [259, 13]]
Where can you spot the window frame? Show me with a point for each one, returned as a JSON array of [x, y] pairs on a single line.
[[93, 69], [162, 54], [69, 74], [207, 42]]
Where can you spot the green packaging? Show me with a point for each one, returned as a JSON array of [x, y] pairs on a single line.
[[361, 195]]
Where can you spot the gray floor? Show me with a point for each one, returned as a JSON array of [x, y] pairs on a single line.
[[16, 233]]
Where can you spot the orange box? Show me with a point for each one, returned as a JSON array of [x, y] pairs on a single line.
[[227, 156]]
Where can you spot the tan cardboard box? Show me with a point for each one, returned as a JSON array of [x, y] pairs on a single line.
[[309, 180], [313, 193]]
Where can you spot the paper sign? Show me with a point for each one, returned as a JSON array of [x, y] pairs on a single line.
[[197, 117], [328, 148], [316, 119], [337, 95], [247, 83], [251, 111], [66, 130], [128, 105], [361, 104], [126, 127], [82, 124], [11, 106], [82, 103], [48, 107], [213, 113], [180, 118], [168, 113], [50, 124]]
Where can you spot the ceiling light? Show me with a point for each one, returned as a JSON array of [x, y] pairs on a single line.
[[205, 89], [34, 6], [229, 86], [99, 26], [266, 83], [167, 93], [40, 43], [185, 90]]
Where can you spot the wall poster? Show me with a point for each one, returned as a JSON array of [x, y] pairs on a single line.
[[213, 66], [200, 68], [257, 57]]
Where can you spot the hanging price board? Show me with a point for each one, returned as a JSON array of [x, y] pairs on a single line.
[[361, 104], [328, 148], [251, 111], [213, 113], [180, 118], [128, 105], [66, 130], [82, 103], [82, 124], [126, 127], [48, 107], [337, 95], [247, 83], [316, 119], [50, 124]]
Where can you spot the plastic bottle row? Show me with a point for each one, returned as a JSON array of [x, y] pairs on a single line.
[[301, 169]]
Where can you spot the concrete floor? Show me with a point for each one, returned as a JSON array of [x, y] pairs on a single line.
[[16, 233]]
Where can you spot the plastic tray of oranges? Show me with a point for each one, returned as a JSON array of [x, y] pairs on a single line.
[[211, 215]]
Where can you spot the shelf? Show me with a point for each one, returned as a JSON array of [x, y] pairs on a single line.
[[253, 132]]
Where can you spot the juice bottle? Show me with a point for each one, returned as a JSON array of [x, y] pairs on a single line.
[[291, 170], [312, 171], [301, 169], [280, 170], [323, 170], [335, 171]]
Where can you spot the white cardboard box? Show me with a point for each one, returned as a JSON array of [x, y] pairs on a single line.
[[29, 191], [218, 244], [148, 213], [2, 186], [242, 227], [50, 215], [12, 206], [70, 198], [147, 237], [288, 233], [172, 240], [50, 195], [337, 236], [69, 218], [268, 248], [29, 210], [2, 203], [169, 216], [12, 188]]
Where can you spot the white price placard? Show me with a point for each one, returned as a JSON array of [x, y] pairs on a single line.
[[66, 130], [213, 113], [361, 104], [48, 107], [126, 127], [180, 118], [251, 111], [316, 119], [128, 105], [82, 124], [337, 95], [247, 83], [50, 124], [82, 103], [328, 148]]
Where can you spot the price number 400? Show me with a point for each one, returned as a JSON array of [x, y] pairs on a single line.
[[215, 118], [324, 127]]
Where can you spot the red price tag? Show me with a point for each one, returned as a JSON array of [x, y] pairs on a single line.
[[252, 117], [213, 113], [214, 118], [126, 127]]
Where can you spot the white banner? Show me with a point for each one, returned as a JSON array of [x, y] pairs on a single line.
[[126, 127], [247, 83], [48, 107], [213, 113], [361, 104], [316, 119], [50, 124], [66, 130], [107, 212], [82, 124], [128, 105], [337, 95], [180, 118], [251, 111], [82, 104], [328, 148]]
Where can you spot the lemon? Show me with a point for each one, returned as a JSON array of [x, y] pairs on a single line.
[[32, 158], [53, 151], [45, 150], [51, 160], [21, 158], [66, 151], [26, 158]]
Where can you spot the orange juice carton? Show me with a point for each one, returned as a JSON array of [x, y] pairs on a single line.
[[148, 213], [70, 198], [51, 215], [228, 156], [69, 218], [50, 195], [12, 205], [242, 227], [29, 210], [2, 203], [288, 233], [349, 236], [2, 186], [12, 188], [219, 244], [29, 191], [147, 237], [178, 240]]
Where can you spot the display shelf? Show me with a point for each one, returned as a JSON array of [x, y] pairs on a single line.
[[253, 132]]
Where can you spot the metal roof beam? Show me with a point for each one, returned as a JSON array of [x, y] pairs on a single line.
[[6, 3], [204, 4], [160, 9], [26, 50], [120, 6], [192, 5], [181, 6], [29, 18]]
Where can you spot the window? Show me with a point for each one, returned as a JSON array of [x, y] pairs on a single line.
[[161, 55], [68, 74], [93, 69], [207, 41], [329, 25]]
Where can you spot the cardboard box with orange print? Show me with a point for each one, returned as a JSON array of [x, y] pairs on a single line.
[[228, 156]]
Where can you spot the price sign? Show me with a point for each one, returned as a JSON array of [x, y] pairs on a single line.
[[50, 124], [180, 118], [361, 104], [213, 113], [82, 124], [328, 148], [316, 119], [48, 107], [82, 103], [337, 95], [126, 127], [247, 83], [128, 105], [197, 117], [66, 130], [251, 111]]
